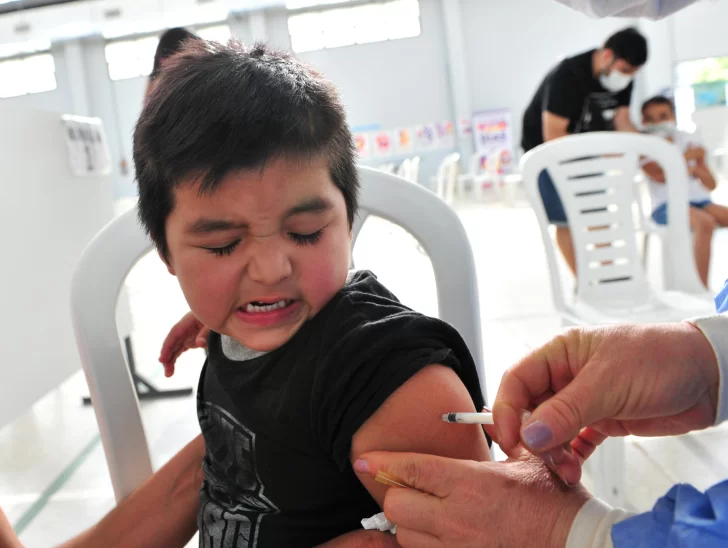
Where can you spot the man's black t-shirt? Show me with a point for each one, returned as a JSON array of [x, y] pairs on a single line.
[[278, 427], [570, 90]]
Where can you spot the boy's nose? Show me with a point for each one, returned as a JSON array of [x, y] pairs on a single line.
[[269, 266]]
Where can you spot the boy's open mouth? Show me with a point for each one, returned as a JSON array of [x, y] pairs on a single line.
[[257, 307]]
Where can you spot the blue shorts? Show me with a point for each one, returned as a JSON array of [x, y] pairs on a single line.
[[660, 214], [551, 200]]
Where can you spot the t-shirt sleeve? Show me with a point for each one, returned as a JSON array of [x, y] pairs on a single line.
[[624, 97], [563, 95], [369, 360]]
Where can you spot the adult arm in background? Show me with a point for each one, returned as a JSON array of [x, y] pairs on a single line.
[[162, 512]]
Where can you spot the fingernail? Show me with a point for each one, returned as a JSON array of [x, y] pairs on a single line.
[[361, 466], [537, 435], [524, 415], [487, 409]]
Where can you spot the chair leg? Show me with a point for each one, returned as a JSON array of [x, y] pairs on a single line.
[[645, 250]]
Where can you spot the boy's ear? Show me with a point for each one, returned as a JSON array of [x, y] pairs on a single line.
[[167, 263]]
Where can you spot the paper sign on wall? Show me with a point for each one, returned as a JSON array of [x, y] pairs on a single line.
[[426, 136], [363, 148], [383, 143], [405, 142], [446, 134], [88, 151], [493, 137]]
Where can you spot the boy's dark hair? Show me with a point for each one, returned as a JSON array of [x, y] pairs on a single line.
[[171, 42], [630, 45], [658, 100], [221, 108]]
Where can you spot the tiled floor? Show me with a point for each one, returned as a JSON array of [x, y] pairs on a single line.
[[53, 479]]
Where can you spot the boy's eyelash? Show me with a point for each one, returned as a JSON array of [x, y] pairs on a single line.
[[223, 251], [306, 239]]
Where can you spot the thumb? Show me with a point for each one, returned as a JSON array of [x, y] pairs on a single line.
[[559, 419], [426, 473]]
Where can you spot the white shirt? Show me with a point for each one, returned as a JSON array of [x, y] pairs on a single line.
[[592, 527], [696, 191]]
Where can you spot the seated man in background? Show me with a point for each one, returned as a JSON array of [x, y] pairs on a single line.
[[658, 118], [588, 92]]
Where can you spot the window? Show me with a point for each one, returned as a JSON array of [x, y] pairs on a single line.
[[345, 26], [131, 58], [218, 33], [701, 83], [24, 75]]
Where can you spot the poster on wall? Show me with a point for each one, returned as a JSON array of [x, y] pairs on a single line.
[[404, 143], [383, 143], [363, 147], [88, 151], [446, 134], [425, 136], [493, 137], [465, 127]]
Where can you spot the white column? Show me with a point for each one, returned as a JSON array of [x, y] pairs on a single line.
[[76, 78], [459, 82], [258, 26]]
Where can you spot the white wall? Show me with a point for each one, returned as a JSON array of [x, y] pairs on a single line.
[[47, 216], [511, 45]]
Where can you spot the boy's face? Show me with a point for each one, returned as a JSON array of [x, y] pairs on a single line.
[[657, 114], [264, 252]]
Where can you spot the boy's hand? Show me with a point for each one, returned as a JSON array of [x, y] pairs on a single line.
[[188, 333], [696, 154], [363, 539]]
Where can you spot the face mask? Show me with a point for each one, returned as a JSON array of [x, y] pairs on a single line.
[[666, 130], [615, 81]]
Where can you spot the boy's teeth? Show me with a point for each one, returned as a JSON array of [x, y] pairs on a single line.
[[250, 307]]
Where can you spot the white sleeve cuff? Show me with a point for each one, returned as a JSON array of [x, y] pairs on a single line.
[[592, 527], [715, 329]]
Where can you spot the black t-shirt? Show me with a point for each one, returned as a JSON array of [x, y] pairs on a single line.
[[570, 90], [278, 427]]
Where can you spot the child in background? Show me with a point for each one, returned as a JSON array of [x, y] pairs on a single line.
[[248, 188], [658, 118]]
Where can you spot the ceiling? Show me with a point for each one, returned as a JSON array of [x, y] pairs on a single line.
[[19, 5]]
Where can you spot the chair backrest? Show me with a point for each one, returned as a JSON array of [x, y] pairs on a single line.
[[414, 174], [594, 176], [447, 175], [404, 169], [110, 256]]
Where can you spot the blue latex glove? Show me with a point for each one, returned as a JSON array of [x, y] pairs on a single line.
[[684, 517], [721, 301]]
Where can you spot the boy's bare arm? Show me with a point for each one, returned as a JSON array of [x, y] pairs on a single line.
[[363, 539], [654, 172], [410, 421], [162, 512]]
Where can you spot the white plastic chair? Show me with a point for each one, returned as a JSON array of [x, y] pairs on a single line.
[[478, 178], [113, 252], [447, 176], [403, 170], [594, 175], [414, 170]]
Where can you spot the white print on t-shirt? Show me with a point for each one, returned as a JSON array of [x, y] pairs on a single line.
[[232, 500], [599, 103]]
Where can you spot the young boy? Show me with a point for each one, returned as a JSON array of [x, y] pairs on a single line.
[[248, 187], [658, 117]]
